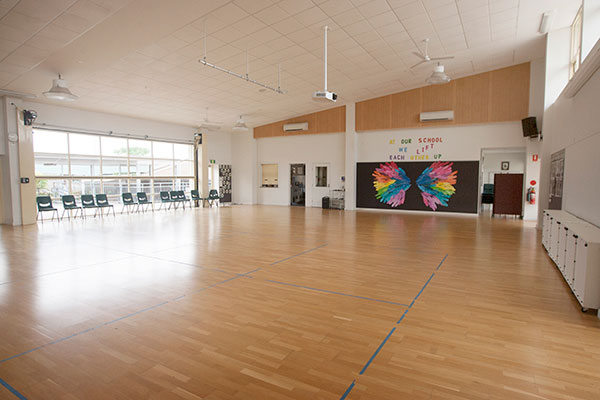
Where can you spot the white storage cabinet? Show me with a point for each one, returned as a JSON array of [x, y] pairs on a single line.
[[574, 246]]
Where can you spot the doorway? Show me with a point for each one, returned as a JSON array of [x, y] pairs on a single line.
[[321, 184], [213, 176], [498, 161], [298, 184]]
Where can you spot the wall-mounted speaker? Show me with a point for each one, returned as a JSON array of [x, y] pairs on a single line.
[[529, 127], [29, 116]]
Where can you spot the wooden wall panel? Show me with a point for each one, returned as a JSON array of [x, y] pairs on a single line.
[[405, 109], [263, 131], [331, 121], [438, 98], [509, 93], [472, 99], [327, 121], [374, 113], [501, 95]]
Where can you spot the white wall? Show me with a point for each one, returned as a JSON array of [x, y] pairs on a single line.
[[218, 146], [537, 79], [244, 168], [591, 26], [300, 149], [574, 124], [90, 120], [459, 143], [492, 161]]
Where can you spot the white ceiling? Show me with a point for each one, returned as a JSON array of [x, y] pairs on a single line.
[[140, 57]]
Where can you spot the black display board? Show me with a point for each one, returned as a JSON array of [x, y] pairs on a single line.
[[464, 198], [225, 182]]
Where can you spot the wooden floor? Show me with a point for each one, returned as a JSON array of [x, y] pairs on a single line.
[[256, 302]]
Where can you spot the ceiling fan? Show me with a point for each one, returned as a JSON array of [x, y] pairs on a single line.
[[210, 125], [425, 56]]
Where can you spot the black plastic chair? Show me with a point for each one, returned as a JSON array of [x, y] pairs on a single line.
[[128, 202], [102, 202], [165, 199], [213, 197], [69, 204], [175, 198], [87, 201], [196, 197], [183, 198], [44, 203], [487, 196], [142, 199]]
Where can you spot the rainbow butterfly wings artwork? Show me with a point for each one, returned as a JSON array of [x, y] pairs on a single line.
[[436, 183], [391, 184]]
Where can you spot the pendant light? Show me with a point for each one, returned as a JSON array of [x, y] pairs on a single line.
[[60, 91]]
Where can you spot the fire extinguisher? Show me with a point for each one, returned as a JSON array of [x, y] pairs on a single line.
[[531, 195]]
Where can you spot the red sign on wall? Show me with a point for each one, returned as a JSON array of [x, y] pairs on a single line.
[[535, 157]]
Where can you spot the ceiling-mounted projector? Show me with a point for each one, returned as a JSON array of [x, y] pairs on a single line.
[[325, 95]]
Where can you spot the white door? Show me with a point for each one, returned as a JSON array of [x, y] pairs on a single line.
[[321, 183]]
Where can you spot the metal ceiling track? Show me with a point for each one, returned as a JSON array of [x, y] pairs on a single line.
[[245, 76]]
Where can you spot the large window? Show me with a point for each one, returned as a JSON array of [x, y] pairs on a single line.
[[576, 31], [74, 163]]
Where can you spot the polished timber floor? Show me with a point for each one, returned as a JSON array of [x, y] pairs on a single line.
[[256, 302]]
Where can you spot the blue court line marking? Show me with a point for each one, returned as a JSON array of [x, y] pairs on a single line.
[[402, 317], [347, 392], [12, 389], [421, 291], [362, 371], [120, 318], [63, 270], [441, 262], [339, 293], [299, 254], [247, 274], [84, 331]]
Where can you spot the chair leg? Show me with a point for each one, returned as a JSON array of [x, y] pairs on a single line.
[[63, 213], [113, 210]]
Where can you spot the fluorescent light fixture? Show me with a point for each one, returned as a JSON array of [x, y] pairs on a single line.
[[546, 24], [60, 91], [438, 77]]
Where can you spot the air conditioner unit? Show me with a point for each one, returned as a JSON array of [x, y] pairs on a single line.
[[301, 126], [437, 116]]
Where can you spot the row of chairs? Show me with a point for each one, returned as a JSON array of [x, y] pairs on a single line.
[[170, 198], [44, 203]]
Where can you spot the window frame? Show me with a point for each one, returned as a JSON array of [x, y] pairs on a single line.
[[576, 42], [127, 158]]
